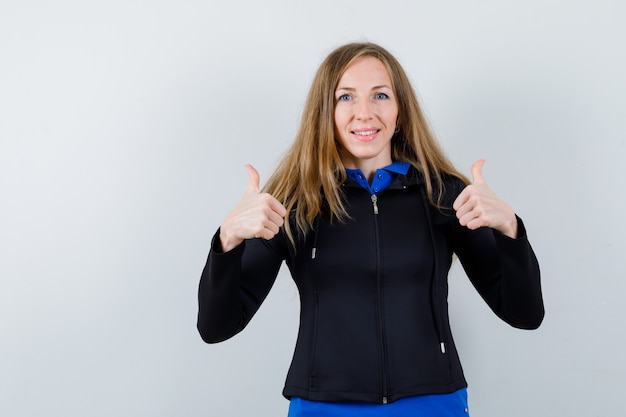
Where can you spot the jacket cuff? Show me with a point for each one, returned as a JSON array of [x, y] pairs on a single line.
[[216, 244], [521, 231]]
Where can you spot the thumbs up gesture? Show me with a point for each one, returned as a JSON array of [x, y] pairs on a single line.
[[258, 215], [478, 206]]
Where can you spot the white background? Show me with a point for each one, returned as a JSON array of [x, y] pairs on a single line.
[[124, 130]]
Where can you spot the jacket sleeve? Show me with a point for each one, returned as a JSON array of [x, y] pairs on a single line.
[[504, 271], [234, 284]]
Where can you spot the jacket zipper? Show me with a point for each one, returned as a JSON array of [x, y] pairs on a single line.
[[379, 289], [374, 198]]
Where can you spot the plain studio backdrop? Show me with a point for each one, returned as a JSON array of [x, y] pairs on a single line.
[[124, 130]]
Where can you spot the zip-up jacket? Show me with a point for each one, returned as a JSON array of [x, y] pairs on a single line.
[[373, 291]]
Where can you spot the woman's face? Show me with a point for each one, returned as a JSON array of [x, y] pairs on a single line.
[[366, 111]]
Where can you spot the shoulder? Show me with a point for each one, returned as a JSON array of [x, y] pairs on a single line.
[[451, 188], [446, 187]]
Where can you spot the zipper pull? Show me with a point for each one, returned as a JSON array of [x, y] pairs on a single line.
[[374, 201]]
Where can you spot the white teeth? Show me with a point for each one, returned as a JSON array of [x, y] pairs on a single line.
[[366, 132]]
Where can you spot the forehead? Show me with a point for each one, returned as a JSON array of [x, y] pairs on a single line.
[[366, 70]]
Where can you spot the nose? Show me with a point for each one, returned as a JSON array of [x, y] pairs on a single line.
[[364, 110]]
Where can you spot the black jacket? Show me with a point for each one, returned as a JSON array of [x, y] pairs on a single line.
[[373, 290]]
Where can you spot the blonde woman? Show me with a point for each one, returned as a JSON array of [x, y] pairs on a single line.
[[367, 212]]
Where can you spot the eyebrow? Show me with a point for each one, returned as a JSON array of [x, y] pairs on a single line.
[[376, 87]]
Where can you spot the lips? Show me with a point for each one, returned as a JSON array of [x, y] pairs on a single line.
[[368, 132], [365, 134]]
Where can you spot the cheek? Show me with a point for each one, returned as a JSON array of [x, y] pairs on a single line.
[[340, 119], [392, 118], [342, 128], [393, 112]]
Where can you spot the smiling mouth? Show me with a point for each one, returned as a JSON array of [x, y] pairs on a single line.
[[366, 132]]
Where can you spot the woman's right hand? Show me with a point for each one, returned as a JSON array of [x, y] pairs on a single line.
[[258, 215]]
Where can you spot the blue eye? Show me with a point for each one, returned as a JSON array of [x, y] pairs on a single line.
[[381, 96], [344, 97]]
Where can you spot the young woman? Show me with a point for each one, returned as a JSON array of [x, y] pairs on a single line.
[[367, 212]]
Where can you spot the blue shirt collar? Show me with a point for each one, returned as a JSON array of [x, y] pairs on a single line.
[[383, 177], [399, 167]]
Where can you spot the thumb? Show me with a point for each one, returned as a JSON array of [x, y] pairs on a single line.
[[477, 172], [253, 180]]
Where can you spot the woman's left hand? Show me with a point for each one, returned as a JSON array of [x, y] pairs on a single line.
[[478, 206]]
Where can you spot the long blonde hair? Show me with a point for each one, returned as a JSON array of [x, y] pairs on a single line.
[[312, 166]]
